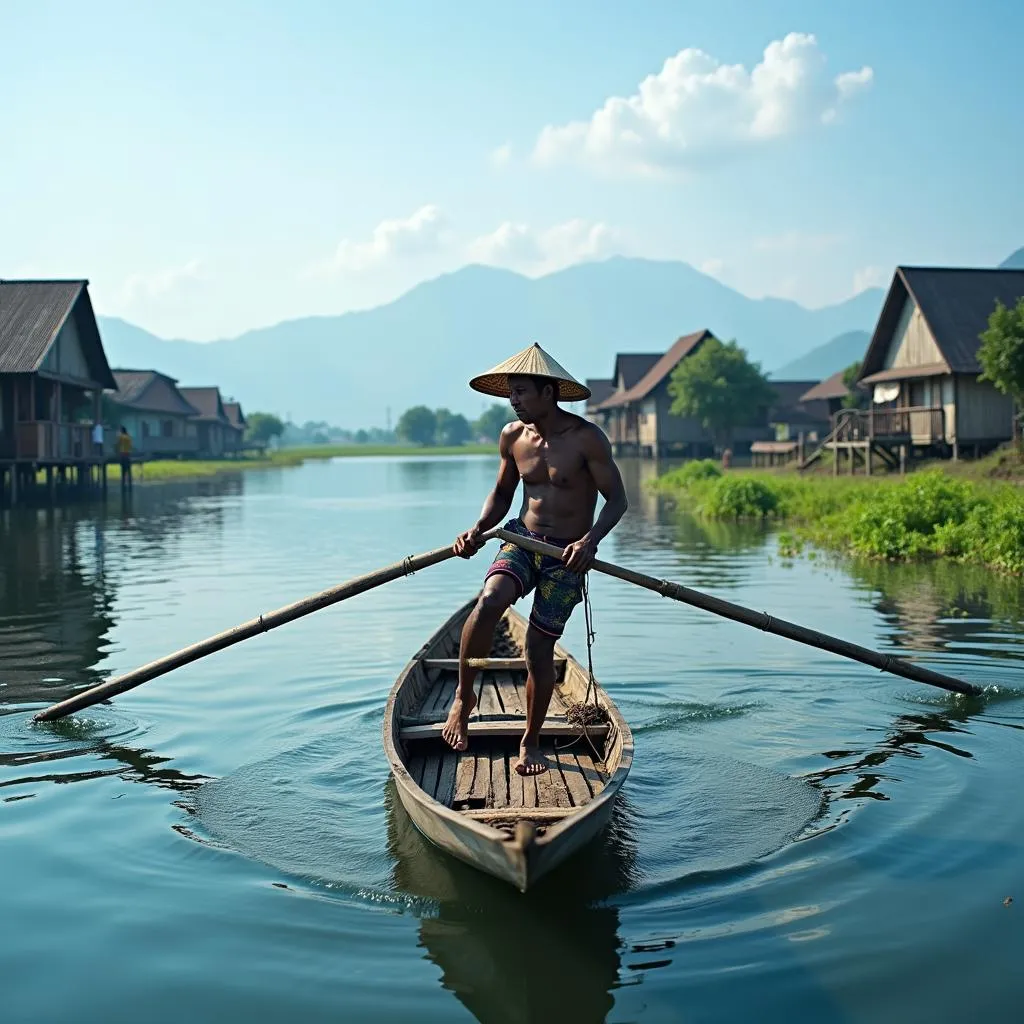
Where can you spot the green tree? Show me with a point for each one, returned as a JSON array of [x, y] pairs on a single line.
[[263, 426], [451, 428], [417, 425], [1001, 354], [857, 398], [492, 420], [362, 437], [720, 388]]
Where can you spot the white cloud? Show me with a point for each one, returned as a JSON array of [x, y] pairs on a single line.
[[849, 83], [159, 284], [394, 238], [502, 155], [525, 248], [712, 267], [870, 277], [697, 111]]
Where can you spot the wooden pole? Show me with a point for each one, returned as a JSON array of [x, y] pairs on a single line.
[[760, 620], [253, 627]]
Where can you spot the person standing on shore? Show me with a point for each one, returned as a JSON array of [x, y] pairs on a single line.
[[124, 457]]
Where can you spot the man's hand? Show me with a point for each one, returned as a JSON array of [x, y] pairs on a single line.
[[579, 556], [469, 543]]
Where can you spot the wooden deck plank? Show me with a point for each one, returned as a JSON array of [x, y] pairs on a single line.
[[529, 791], [516, 789], [445, 792], [509, 694], [447, 695], [416, 765], [481, 790], [488, 699], [596, 779], [499, 780], [431, 698], [501, 727], [545, 814], [465, 771], [431, 768], [493, 664], [576, 784], [551, 790]]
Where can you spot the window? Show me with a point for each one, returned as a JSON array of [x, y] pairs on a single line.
[[167, 428]]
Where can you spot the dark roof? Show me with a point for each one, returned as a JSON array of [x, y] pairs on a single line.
[[31, 316], [955, 302], [599, 389], [632, 366], [132, 388], [790, 407], [789, 391], [658, 372], [830, 387], [207, 402], [233, 411]]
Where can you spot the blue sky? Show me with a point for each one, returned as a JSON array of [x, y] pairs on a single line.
[[212, 167]]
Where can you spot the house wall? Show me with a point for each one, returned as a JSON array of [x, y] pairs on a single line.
[[158, 433], [66, 358], [983, 413], [912, 343], [673, 429], [6, 416], [211, 438], [647, 422]]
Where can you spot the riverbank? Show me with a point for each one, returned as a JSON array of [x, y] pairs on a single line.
[[161, 470], [931, 513]]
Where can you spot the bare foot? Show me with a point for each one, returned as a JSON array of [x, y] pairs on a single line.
[[456, 729], [531, 761]]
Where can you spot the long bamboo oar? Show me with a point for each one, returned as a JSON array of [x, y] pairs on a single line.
[[247, 629], [761, 620]]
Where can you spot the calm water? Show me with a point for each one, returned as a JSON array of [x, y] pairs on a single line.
[[801, 838]]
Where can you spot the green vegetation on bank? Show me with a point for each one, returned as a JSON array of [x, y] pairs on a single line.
[[928, 514]]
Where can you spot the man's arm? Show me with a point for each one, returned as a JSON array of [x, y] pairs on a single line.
[[598, 454], [499, 501]]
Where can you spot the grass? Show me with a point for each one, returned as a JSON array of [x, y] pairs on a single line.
[[931, 513]]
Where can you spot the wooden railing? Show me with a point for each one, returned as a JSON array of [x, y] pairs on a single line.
[[919, 423], [41, 439]]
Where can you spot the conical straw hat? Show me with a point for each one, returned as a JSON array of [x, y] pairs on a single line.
[[535, 362]]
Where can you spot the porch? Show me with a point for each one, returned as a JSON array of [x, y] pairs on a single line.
[[46, 441], [888, 433]]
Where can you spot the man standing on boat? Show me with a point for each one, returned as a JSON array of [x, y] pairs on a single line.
[[564, 462]]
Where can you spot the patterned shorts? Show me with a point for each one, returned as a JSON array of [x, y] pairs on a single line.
[[559, 589]]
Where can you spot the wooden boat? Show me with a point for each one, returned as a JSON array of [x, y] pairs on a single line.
[[473, 803]]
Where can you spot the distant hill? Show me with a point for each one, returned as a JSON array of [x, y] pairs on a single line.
[[424, 346], [827, 359], [1014, 262]]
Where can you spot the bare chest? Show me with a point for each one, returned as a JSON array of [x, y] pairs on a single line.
[[549, 463]]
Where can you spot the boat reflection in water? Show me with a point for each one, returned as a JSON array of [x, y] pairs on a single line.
[[551, 953]]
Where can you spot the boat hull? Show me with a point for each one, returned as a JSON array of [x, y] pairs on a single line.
[[516, 844]]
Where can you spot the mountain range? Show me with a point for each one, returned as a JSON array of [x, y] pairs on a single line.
[[361, 368]]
